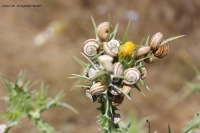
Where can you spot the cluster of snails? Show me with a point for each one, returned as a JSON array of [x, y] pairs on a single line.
[[104, 52]]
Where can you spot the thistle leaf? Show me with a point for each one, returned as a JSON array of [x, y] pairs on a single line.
[[122, 92], [95, 27], [147, 41], [68, 106], [139, 89], [171, 39], [169, 130], [115, 31], [82, 63], [126, 33], [142, 82]]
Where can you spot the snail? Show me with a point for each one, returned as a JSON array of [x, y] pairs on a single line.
[[155, 41], [111, 47], [143, 50], [162, 51], [132, 76], [92, 98], [92, 71], [114, 91], [91, 47], [126, 89], [116, 118], [97, 89], [106, 62], [143, 71], [118, 71], [117, 100], [103, 29]]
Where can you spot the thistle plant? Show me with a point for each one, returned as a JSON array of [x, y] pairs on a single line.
[[115, 68], [25, 103]]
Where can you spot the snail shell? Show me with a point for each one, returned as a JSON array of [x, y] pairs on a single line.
[[92, 71], [117, 100], [91, 47], [92, 98], [102, 30], [162, 51], [111, 47], [143, 71], [97, 89], [150, 60], [118, 70], [106, 62], [132, 76], [143, 51], [126, 89], [116, 118], [155, 41], [114, 91]]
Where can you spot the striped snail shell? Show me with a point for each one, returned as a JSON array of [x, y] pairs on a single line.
[[111, 47], [126, 89], [116, 118], [143, 71], [143, 50], [114, 91], [106, 62], [118, 70], [97, 89], [132, 76], [155, 41], [162, 51], [92, 98], [117, 100], [92, 71], [90, 47], [102, 30], [150, 60]]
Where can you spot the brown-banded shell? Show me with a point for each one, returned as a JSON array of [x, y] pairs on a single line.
[[116, 118], [111, 47], [102, 30], [106, 62], [118, 70], [162, 51], [97, 89], [143, 50], [90, 47], [126, 89], [150, 60], [132, 76], [117, 100], [143, 71], [92, 98], [156, 40], [114, 91]]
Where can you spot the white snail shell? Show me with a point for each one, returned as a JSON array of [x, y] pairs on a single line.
[[114, 91], [92, 98], [143, 71], [143, 50], [90, 47], [132, 76], [162, 51], [117, 70], [97, 89], [91, 72], [126, 89], [116, 118], [117, 100], [150, 60], [102, 30], [155, 40], [106, 62], [111, 47]]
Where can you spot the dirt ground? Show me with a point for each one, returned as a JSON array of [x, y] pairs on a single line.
[[53, 63]]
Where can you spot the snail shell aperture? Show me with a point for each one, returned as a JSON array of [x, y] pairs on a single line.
[[111, 47], [102, 30], [155, 40], [132, 76], [90, 47], [114, 91]]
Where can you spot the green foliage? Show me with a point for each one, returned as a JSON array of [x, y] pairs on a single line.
[[24, 103]]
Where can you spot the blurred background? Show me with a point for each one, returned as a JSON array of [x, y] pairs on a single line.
[[42, 41]]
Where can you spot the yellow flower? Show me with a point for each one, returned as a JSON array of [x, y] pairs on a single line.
[[126, 49]]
